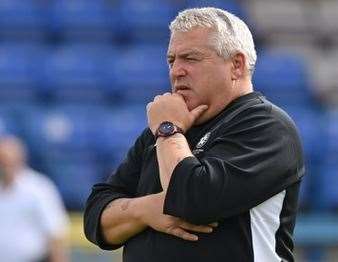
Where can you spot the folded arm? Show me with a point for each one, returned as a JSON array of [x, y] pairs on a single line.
[[126, 217]]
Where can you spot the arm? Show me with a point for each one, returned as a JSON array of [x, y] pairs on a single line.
[[170, 151], [124, 218], [119, 220], [113, 213], [253, 158], [244, 166], [107, 201], [54, 219]]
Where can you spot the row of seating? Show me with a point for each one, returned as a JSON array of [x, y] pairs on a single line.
[[86, 142], [141, 20], [88, 72], [100, 19], [76, 71]]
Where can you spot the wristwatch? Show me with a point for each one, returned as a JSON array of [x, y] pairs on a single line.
[[166, 129]]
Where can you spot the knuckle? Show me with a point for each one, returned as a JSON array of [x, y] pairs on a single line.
[[181, 234]]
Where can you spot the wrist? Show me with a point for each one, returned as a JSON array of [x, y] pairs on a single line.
[[138, 207], [166, 129], [176, 136], [143, 206]]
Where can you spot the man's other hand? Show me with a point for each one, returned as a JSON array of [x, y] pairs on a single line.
[[152, 215]]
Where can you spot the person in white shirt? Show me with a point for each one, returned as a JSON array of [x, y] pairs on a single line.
[[33, 220]]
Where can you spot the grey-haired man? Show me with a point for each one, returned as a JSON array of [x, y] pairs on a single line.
[[216, 175]]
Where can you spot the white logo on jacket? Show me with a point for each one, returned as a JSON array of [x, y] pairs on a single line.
[[198, 148]]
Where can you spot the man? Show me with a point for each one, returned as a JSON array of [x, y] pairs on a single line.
[[216, 175], [33, 220]]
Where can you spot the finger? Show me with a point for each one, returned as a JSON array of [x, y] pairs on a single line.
[[215, 224], [148, 106], [157, 97], [197, 112], [178, 95], [167, 94], [196, 228], [179, 232]]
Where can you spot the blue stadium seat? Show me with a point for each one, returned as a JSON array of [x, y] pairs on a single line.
[[332, 130], [328, 182], [62, 140], [84, 19], [74, 176], [305, 193], [117, 129], [147, 21], [78, 143], [19, 70], [9, 122], [282, 77], [312, 125], [73, 72], [64, 128], [91, 130], [138, 73], [329, 172], [23, 19]]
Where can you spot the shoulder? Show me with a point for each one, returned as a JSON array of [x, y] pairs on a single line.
[[147, 137], [280, 118], [264, 113], [38, 182], [145, 140]]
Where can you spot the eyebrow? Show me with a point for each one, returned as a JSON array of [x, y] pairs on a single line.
[[185, 54]]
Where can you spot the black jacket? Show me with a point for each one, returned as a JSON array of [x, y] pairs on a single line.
[[245, 174]]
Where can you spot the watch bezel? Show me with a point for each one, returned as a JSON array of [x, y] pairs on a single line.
[[167, 128]]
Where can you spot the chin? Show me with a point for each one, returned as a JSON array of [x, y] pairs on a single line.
[[191, 104]]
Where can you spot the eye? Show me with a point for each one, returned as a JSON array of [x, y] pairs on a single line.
[[191, 58], [170, 62]]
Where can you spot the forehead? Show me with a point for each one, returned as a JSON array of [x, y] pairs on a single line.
[[196, 39]]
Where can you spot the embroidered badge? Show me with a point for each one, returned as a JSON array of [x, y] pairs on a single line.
[[203, 140], [198, 148]]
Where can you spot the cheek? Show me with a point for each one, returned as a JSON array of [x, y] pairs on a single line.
[[196, 97]]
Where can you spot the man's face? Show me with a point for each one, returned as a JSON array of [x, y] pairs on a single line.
[[197, 72]]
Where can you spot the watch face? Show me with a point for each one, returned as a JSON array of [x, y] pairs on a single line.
[[167, 128]]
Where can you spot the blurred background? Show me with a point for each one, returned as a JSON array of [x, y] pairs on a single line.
[[75, 76]]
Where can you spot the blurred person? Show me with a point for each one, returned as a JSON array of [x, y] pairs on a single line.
[[33, 221], [216, 175]]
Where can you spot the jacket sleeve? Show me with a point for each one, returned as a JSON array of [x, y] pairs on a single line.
[[121, 184], [252, 159]]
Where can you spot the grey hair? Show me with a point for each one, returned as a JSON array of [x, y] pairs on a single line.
[[232, 35]]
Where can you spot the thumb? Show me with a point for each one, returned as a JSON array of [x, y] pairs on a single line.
[[198, 111]]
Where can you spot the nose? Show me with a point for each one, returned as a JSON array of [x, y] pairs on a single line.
[[177, 70]]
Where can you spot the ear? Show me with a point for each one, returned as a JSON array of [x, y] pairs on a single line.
[[238, 66]]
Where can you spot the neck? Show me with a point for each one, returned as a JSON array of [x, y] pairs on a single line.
[[242, 89], [239, 88]]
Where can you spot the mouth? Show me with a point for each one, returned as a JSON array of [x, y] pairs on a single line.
[[180, 88]]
